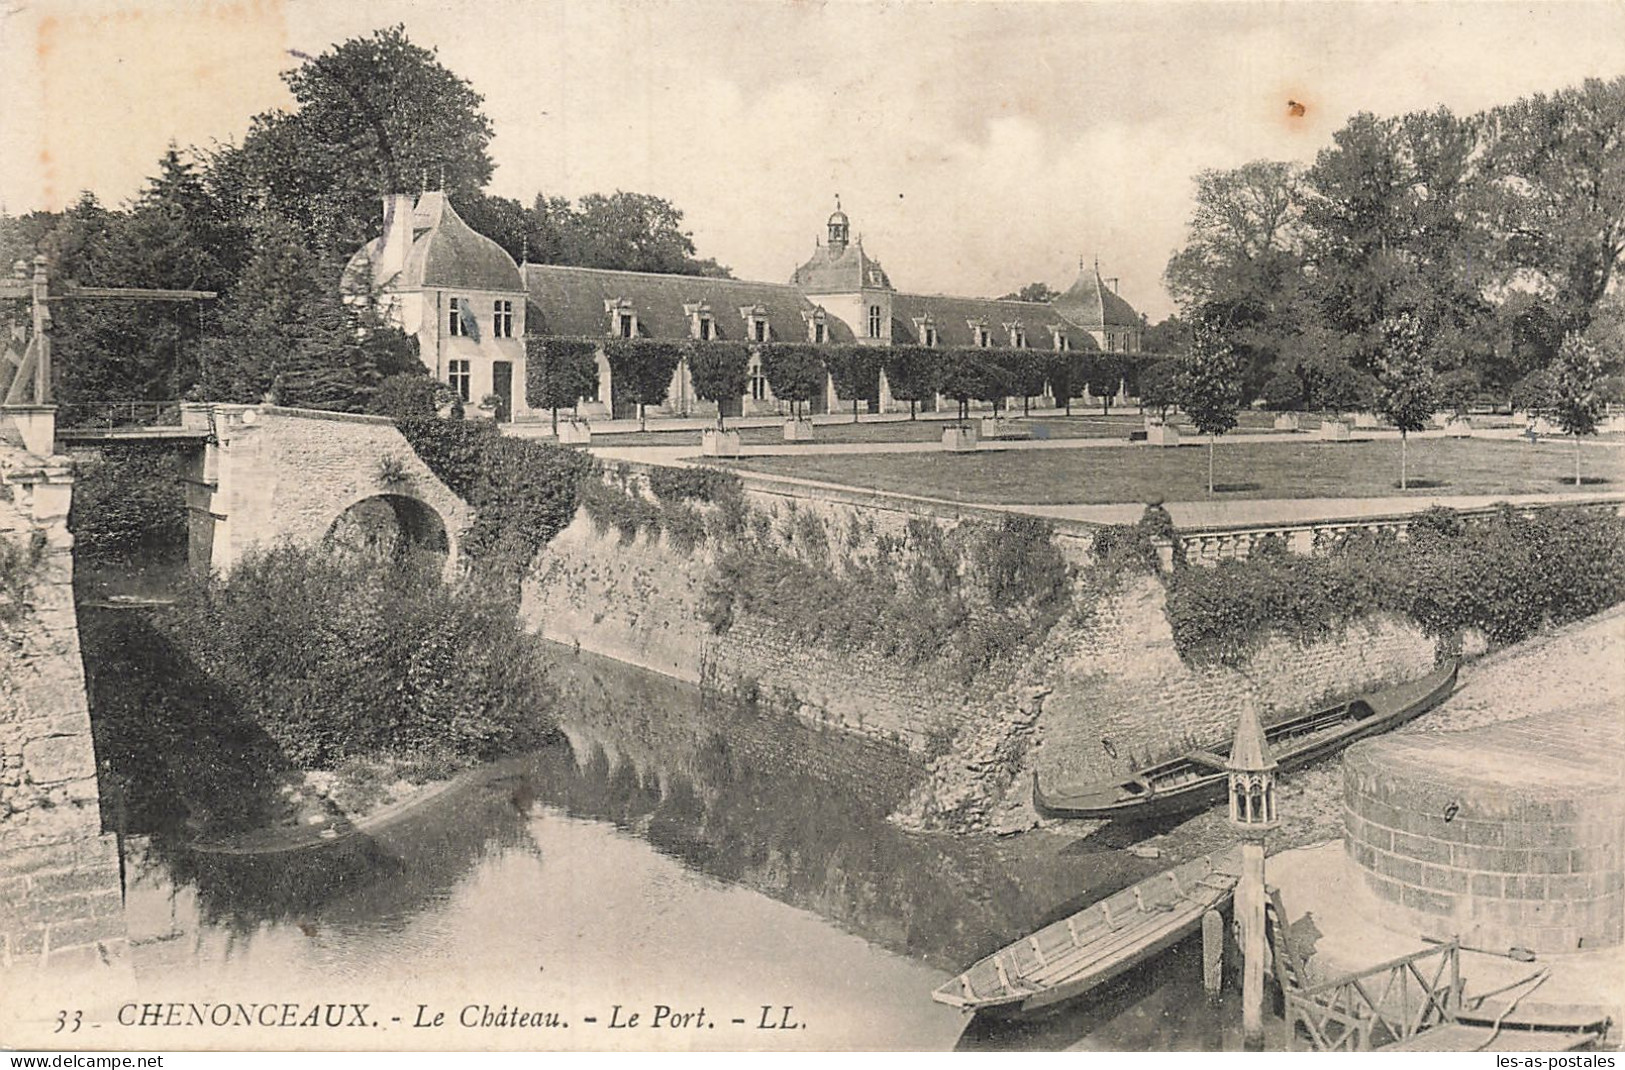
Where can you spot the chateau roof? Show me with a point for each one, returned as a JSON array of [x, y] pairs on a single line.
[[1091, 303], [952, 317], [445, 252], [569, 301], [840, 269]]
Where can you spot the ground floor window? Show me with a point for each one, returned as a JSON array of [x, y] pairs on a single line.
[[758, 385], [461, 377]]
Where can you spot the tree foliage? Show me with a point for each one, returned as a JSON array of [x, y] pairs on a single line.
[[559, 372], [641, 370], [721, 371], [795, 371]]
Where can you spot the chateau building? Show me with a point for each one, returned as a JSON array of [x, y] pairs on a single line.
[[470, 307]]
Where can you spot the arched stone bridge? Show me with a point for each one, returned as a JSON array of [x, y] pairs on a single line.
[[268, 474]]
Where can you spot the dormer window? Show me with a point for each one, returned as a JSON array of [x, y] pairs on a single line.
[[926, 330], [1017, 333], [623, 318], [1063, 341], [701, 325], [980, 333], [817, 332], [756, 323]]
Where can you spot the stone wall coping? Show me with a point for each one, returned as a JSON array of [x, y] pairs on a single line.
[[1377, 520], [917, 505]]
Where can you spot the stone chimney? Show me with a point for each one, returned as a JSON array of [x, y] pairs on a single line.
[[397, 236]]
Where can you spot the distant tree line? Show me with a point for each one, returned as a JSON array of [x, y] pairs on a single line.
[[1476, 244]]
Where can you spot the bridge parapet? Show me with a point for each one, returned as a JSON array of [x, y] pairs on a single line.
[[271, 474]]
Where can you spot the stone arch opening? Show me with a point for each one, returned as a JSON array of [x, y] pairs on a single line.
[[388, 525]]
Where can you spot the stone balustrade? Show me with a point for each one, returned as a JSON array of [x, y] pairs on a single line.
[[1212, 545]]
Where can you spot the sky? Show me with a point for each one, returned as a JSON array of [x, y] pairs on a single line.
[[977, 147]]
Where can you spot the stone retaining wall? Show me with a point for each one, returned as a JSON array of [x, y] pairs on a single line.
[[1102, 692]]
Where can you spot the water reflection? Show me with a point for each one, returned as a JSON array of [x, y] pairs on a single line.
[[673, 843]]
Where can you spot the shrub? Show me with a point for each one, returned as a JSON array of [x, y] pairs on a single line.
[[407, 396], [338, 657], [693, 484], [1283, 391], [522, 492], [1507, 576], [963, 599], [129, 502]]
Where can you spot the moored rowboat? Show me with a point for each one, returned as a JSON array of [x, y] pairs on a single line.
[[1196, 779], [1069, 957]]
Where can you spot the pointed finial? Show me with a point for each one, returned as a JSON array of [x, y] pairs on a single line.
[[524, 249], [1081, 263], [423, 181], [837, 202], [1097, 263], [442, 178]]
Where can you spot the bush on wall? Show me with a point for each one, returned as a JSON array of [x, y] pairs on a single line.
[[1507, 576], [523, 492]]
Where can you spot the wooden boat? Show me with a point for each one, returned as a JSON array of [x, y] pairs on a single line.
[[1196, 779], [1069, 957]]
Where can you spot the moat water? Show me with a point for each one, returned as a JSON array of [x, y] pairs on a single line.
[[675, 851]]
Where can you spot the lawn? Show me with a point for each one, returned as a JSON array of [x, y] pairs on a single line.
[[1296, 469]]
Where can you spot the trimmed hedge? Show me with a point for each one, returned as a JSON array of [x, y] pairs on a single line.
[[559, 372]]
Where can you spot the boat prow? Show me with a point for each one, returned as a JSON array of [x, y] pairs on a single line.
[[1196, 779], [1067, 958]]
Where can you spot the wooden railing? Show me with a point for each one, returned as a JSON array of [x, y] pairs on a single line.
[[1385, 1004]]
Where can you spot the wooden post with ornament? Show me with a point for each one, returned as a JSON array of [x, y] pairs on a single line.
[[1252, 813]]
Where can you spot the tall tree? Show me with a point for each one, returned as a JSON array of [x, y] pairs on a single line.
[[1036, 292], [1406, 392], [1210, 385], [1577, 401], [374, 115], [1557, 170], [1393, 210], [632, 232], [1242, 262]]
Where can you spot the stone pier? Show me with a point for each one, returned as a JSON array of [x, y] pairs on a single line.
[[61, 901]]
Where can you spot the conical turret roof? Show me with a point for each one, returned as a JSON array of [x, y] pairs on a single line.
[[1250, 752]]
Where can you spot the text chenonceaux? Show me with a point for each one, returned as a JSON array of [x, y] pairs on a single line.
[[469, 1016]]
